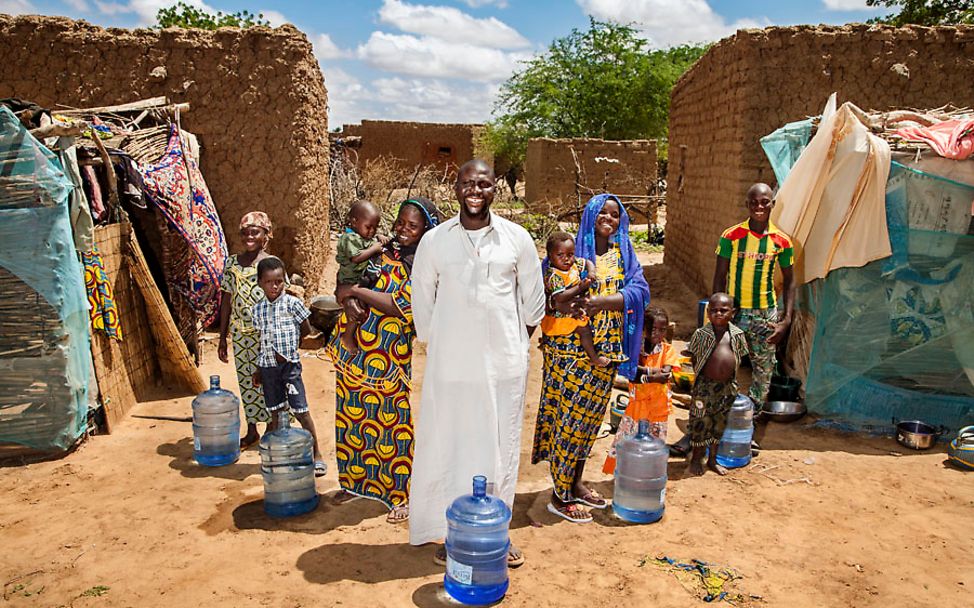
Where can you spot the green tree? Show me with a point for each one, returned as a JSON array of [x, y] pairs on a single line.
[[186, 16], [925, 12], [602, 82]]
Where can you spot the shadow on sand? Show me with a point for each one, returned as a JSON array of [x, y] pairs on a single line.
[[366, 563], [181, 453], [325, 518]]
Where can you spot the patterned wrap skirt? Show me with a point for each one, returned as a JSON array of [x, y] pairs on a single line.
[[245, 349], [574, 398]]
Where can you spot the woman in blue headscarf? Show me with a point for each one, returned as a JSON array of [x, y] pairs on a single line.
[[575, 392], [373, 417]]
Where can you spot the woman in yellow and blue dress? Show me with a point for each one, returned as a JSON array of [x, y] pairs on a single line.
[[240, 293], [373, 417], [575, 393]]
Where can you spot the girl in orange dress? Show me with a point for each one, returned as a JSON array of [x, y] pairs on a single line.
[[649, 391]]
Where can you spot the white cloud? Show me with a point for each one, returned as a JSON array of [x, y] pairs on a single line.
[[17, 7], [413, 99], [669, 22], [479, 3], [433, 57], [326, 49], [450, 24], [849, 5], [146, 10], [79, 5], [273, 17]]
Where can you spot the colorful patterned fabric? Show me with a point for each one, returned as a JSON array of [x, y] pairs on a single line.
[[373, 417], [279, 323], [245, 347], [555, 282], [752, 259], [575, 393], [635, 290], [710, 405], [176, 187], [756, 323], [101, 296], [240, 285]]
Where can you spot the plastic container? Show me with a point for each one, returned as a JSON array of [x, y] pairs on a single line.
[[477, 544], [640, 477], [287, 465], [734, 449], [216, 426]]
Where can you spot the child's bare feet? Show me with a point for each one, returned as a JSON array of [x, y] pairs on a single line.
[[349, 342], [712, 462], [695, 468]]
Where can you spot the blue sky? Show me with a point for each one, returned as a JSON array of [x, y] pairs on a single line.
[[444, 61]]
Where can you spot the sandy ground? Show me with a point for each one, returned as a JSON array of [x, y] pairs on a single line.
[[820, 518]]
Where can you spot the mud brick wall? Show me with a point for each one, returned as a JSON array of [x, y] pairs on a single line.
[[621, 167], [751, 83], [257, 103], [444, 146]]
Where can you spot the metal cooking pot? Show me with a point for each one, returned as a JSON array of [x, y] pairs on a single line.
[[916, 434], [784, 388], [783, 411], [960, 451], [325, 311]]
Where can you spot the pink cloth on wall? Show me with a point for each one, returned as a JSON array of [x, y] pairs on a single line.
[[952, 139]]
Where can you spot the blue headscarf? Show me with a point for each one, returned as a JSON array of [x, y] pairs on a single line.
[[432, 216], [635, 290]]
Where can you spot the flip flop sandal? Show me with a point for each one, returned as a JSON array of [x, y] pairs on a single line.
[[439, 557], [394, 514], [321, 469], [594, 500], [565, 511], [515, 562]]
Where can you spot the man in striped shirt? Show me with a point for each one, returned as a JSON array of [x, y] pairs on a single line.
[[746, 258]]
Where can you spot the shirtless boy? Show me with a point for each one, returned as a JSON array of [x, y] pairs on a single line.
[[716, 350]]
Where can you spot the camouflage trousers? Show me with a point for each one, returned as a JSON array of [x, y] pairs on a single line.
[[756, 323]]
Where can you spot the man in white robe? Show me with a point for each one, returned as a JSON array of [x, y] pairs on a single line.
[[477, 296]]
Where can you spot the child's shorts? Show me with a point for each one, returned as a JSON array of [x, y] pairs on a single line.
[[709, 407], [283, 386]]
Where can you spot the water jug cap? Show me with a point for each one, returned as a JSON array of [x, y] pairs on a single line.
[[480, 486], [643, 427], [215, 381]]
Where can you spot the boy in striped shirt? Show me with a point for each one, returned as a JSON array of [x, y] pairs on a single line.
[[746, 258]]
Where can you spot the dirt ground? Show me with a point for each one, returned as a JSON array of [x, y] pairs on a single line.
[[820, 518]]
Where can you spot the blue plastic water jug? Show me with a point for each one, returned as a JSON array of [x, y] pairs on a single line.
[[477, 545], [216, 426], [287, 465], [640, 477], [734, 449]]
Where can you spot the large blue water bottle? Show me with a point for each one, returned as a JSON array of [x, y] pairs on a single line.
[[640, 477], [477, 545], [287, 465], [216, 426], [734, 449]]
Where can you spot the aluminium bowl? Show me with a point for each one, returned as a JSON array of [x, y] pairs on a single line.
[[783, 411]]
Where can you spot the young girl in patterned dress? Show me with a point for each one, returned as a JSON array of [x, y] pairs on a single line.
[[241, 292]]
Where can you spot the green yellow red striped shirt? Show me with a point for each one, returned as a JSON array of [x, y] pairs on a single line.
[[752, 260]]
